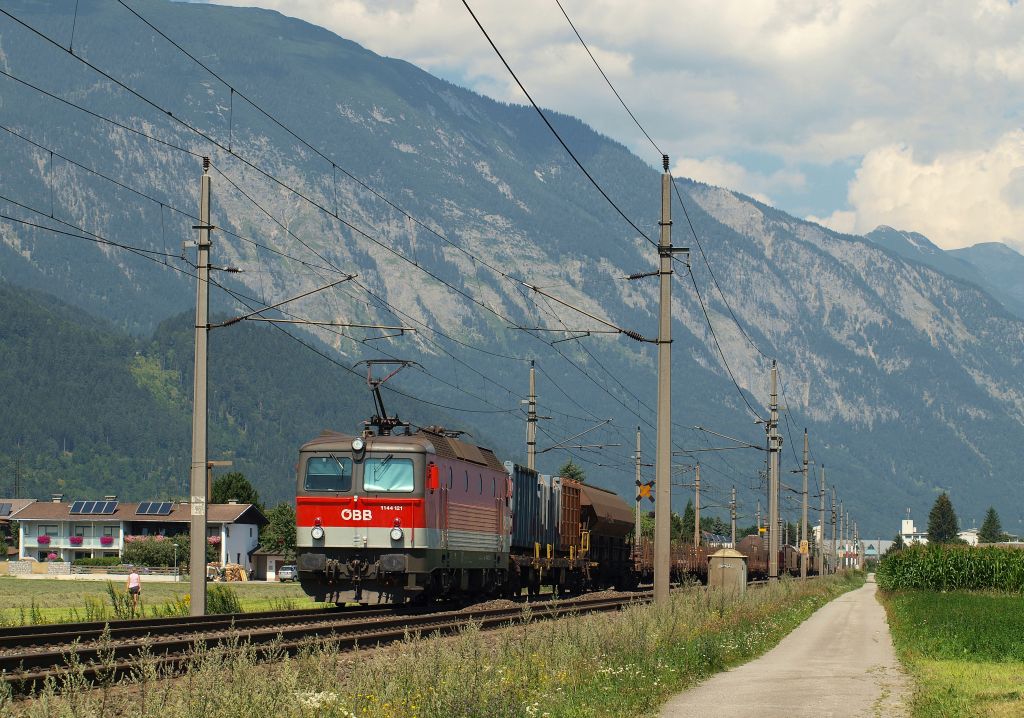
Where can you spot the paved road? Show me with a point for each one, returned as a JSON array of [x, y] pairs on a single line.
[[838, 663]]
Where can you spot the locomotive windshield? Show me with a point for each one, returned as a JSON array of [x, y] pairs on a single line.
[[328, 473], [388, 475]]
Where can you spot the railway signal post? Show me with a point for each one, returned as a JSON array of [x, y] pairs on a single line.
[[197, 539]]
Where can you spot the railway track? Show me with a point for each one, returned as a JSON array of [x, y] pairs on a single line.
[[95, 654]]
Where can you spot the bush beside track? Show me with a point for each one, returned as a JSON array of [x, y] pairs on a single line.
[[942, 567]]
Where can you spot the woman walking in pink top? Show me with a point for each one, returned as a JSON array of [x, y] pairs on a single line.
[[135, 588]]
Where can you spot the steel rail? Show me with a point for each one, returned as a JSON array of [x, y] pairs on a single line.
[[64, 634], [26, 672]]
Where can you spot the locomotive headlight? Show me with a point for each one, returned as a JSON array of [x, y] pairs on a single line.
[[396, 533], [317, 533], [358, 444]]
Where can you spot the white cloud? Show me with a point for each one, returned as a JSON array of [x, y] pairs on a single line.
[[731, 175], [815, 80], [955, 199]]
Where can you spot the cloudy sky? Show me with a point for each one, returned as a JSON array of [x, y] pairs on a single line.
[[853, 113]]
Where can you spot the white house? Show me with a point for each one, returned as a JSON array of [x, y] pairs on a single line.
[[90, 529], [970, 536], [910, 533]]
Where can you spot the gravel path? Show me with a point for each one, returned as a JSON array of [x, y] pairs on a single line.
[[840, 662]]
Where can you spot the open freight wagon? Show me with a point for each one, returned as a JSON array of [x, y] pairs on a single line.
[[566, 534]]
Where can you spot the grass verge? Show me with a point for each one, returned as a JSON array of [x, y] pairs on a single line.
[[27, 601], [965, 651], [628, 663]]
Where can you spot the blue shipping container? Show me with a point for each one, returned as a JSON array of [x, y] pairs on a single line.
[[527, 524]]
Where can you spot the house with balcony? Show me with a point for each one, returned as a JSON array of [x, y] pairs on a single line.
[[93, 529]]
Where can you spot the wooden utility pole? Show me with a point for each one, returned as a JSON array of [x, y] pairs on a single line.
[[197, 539], [531, 421], [663, 459], [805, 545]]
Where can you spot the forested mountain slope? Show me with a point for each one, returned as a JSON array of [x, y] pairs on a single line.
[[90, 410]]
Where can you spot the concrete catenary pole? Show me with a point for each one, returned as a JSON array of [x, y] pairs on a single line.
[[663, 460], [821, 524], [696, 508], [774, 442], [531, 421], [732, 516], [842, 535], [849, 537], [804, 554], [197, 539], [832, 568], [636, 519]]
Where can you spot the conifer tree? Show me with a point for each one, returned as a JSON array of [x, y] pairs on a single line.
[[572, 471], [689, 516], [942, 522], [991, 528]]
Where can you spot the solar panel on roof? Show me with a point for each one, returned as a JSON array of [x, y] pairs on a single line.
[[144, 508], [164, 509], [108, 508], [89, 507], [5, 509], [76, 508]]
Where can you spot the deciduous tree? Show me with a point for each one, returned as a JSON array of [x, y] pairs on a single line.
[[278, 536], [234, 486]]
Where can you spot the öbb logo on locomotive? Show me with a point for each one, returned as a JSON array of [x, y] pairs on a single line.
[[357, 514]]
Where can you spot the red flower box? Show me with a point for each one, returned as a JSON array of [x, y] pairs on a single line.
[[43, 540], [106, 540], [76, 540]]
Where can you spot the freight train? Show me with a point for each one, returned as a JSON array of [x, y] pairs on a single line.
[[426, 515]]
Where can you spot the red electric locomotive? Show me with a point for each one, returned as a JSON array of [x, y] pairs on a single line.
[[384, 518]]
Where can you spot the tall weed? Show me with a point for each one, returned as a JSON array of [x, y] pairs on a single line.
[[222, 599]]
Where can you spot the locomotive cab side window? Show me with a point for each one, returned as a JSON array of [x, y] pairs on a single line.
[[388, 475], [328, 473]]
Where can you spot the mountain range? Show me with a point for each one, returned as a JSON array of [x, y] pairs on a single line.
[[904, 367]]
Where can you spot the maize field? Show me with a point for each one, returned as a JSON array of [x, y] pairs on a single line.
[[943, 567]]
